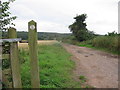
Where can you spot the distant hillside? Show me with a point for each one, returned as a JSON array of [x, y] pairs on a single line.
[[44, 35]]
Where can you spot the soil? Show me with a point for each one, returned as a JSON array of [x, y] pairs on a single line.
[[100, 68]]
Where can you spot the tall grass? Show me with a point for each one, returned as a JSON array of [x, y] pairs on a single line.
[[106, 43], [112, 43], [55, 67]]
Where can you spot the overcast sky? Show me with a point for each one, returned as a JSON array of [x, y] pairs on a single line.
[[57, 15]]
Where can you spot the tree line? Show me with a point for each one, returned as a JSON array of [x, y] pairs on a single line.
[[44, 35]]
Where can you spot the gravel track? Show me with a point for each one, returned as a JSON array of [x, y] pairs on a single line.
[[100, 68]]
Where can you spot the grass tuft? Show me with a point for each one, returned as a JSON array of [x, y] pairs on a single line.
[[82, 79]]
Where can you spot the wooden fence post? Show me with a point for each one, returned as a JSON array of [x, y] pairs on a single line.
[[0, 50], [15, 64], [32, 41]]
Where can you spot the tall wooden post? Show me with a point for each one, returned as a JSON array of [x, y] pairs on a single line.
[[0, 18], [119, 43], [15, 64], [32, 41], [119, 17], [0, 50]]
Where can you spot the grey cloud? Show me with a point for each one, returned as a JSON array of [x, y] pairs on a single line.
[[58, 14]]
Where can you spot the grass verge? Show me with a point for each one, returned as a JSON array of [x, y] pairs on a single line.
[[55, 67], [101, 49], [110, 44]]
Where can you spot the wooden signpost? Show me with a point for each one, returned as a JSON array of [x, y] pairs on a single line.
[[14, 59], [15, 65], [32, 41]]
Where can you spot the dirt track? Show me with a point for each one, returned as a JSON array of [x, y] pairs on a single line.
[[100, 68]]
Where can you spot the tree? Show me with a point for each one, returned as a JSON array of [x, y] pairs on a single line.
[[112, 33], [79, 30], [5, 18]]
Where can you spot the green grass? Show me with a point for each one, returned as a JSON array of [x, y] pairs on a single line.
[[86, 45], [101, 49], [110, 44], [55, 67], [82, 79]]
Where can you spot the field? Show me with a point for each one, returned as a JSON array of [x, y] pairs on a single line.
[[54, 63], [40, 42]]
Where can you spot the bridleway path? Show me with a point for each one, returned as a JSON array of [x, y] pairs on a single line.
[[100, 68]]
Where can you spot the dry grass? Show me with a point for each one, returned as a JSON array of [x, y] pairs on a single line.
[[46, 42], [40, 42]]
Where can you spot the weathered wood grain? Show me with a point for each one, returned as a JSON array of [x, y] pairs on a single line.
[[32, 42], [15, 65]]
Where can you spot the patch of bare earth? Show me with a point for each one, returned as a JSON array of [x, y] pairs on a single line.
[[100, 68]]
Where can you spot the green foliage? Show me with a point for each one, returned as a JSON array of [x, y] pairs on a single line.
[[5, 64], [5, 18], [5, 50], [112, 33], [44, 36], [70, 39], [105, 43], [86, 45], [110, 42], [79, 30], [83, 79], [55, 67]]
